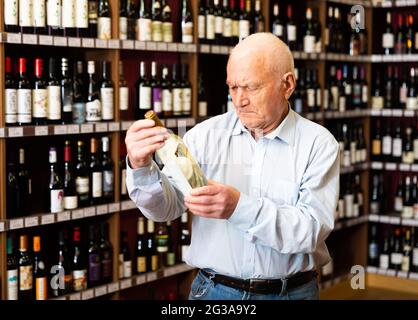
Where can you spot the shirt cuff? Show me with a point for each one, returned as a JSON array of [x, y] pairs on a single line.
[[143, 176], [245, 213]]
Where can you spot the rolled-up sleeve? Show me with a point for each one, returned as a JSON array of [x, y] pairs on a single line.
[[299, 228]]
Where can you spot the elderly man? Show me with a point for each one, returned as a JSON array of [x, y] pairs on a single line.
[[259, 227]]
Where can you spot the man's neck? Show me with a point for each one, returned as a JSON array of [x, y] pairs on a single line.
[[259, 133]]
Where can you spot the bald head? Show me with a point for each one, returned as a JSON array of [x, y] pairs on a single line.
[[267, 51]]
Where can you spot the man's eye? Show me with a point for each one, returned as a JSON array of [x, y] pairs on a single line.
[[233, 88], [252, 87]]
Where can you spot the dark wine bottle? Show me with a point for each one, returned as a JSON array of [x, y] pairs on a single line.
[[106, 254], [25, 264], [104, 20], [67, 96], [56, 188], [96, 174], [70, 193], [82, 177], [107, 165], [107, 93], [78, 266]]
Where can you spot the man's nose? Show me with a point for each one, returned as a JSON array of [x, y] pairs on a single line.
[[241, 98]]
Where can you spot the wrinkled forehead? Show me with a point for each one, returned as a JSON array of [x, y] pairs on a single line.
[[246, 67]]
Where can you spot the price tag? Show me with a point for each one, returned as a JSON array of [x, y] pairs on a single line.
[[397, 113], [183, 47], [74, 42], [14, 38], [376, 58], [87, 128], [125, 284], [126, 125], [384, 219], [395, 220], [87, 43], [414, 168], [171, 123], [400, 3], [409, 113], [114, 207], [75, 296], [190, 122], [140, 45], [413, 275], [170, 271], [59, 130], [391, 273], [414, 222], [373, 218], [375, 112], [391, 166], [382, 272], [15, 132], [216, 49], [402, 274], [63, 216], [73, 129], [113, 287], [88, 294], [152, 46], [30, 39], [46, 40], [89, 212], [114, 126], [60, 41], [31, 222], [101, 43], [48, 218], [102, 209], [15, 224], [161, 46], [193, 48], [151, 276], [60, 298], [128, 44], [371, 269], [41, 131], [77, 214], [411, 2], [113, 44], [127, 205], [224, 50], [2, 226], [404, 167], [101, 127], [140, 280], [100, 291], [204, 48], [172, 47], [377, 165], [386, 112]]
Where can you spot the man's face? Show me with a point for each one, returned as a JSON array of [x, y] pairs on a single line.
[[256, 92]]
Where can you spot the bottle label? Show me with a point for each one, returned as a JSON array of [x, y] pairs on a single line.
[[210, 27], [157, 31], [11, 105], [318, 97], [328, 268], [235, 28], [377, 103], [97, 184], [415, 257], [144, 97], [309, 44], [340, 209], [187, 32], [349, 205], [396, 258], [167, 32], [364, 94], [219, 24], [184, 252], [104, 28], [187, 100], [227, 30], [407, 212], [403, 93], [79, 112], [10, 16], [397, 147], [376, 147], [41, 288], [154, 263], [171, 259], [81, 14], [57, 200], [278, 30], [82, 185], [106, 96], [384, 261], [341, 103], [141, 264], [373, 251], [311, 98], [291, 33], [405, 263], [347, 158], [24, 105], [25, 278], [68, 17], [79, 280], [203, 108], [374, 207], [53, 12], [162, 243], [94, 110], [25, 13], [177, 100], [70, 202], [145, 29], [335, 97], [39, 13], [94, 272], [408, 157], [398, 205], [244, 29], [123, 28], [167, 100], [157, 100], [356, 210], [123, 189], [387, 145], [40, 103], [107, 181], [411, 103], [123, 98], [54, 102], [127, 269], [388, 40], [12, 278], [201, 27]]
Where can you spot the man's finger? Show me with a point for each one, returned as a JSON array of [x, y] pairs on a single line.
[[141, 124], [206, 190], [147, 133], [207, 200], [203, 209]]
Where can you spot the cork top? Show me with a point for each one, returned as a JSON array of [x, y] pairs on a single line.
[[151, 115]]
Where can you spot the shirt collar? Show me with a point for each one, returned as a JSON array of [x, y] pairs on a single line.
[[285, 131]]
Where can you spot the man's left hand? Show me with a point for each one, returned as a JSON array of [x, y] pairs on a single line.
[[215, 200]]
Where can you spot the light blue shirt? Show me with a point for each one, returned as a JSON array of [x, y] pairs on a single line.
[[288, 179]]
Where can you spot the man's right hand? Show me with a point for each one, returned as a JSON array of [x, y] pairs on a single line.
[[142, 140]]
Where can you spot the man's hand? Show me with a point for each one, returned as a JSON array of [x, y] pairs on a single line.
[[213, 201], [142, 140]]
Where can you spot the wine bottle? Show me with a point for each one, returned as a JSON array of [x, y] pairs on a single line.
[[78, 266], [24, 96], [63, 265], [171, 253], [94, 263], [186, 91], [67, 94], [408, 147], [56, 190], [70, 193], [11, 16], [125, 267], [107, 93], [161, 239], [187, 23], [157, 24], [123, 20], [82, 177], [141, 248], [96, 174], [277, 25], [144, 26], [39, 95], [131, 10], [93, 105], [54, 12], [177, 92], [184, 237], [123, 188], [69, 18], [24, 185], [104, 20], [107, 165], [384, 254], [79, 94], [407, 201], [39, 23], [123, 91], [388, 36], [291, 30], [152, 256], [309, 34], [244, 22], [12, 271], [12, 188], [54, 94], [92, 18], [82, 18], [396, 252], [143, 88], [201, 22], [10, 94], [167, 23], [156, 90], [227, 33], [167, 96], [26, 16], [106, 254], [25, 264], [40, 274], [259, 20], [407, 252]]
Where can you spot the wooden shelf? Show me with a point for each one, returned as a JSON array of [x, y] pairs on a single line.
[[393, 3], [355, 168], [124, 284], [393, 113], [393, 166], [339, 225], [394, 275], [346, 114], [394, 219]]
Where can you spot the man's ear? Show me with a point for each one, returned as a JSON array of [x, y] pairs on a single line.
[[289, 81]]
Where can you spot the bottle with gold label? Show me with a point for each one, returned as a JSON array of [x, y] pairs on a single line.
[[25, 270]]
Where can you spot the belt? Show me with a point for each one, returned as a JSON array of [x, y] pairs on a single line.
[[262, 286]]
